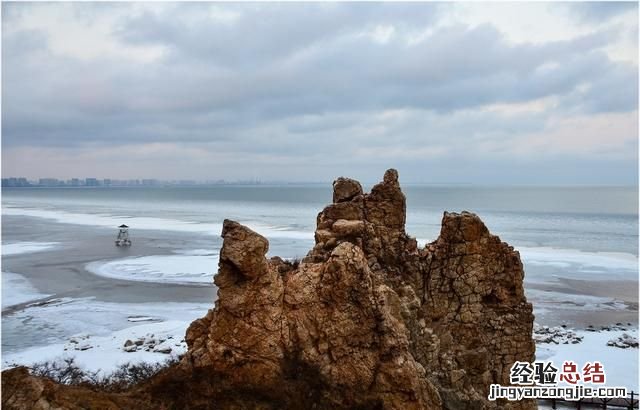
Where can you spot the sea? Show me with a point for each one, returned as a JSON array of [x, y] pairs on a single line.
[[579, 246]]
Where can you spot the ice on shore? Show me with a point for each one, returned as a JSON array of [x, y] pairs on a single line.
[[95, 332], [186, 269], [16, 289], [620, 365], [554, 300], [141, 319], [153, 223], [105, 353], [564, 258], [53, 323], [19, 248]]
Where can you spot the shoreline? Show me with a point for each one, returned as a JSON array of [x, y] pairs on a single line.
[[78, 247]]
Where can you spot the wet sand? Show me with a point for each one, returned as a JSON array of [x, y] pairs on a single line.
[[624, 310], [626, 291]]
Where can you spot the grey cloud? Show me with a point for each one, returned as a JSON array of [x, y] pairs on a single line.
[[455, 68], [263, 31], [288, 80], [600, 11]]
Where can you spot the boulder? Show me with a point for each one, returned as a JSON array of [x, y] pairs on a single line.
[[345, 189], [245, 251]]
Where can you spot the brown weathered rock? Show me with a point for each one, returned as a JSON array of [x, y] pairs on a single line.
[[345, 189], [367, 320], [245, 252]]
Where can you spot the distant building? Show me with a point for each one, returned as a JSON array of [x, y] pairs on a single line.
[[15, 182], [149, 182], [106, 182], [91, 182], [48, 182]]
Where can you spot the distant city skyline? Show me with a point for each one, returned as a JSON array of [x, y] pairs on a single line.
[[19, 182], [109, 182], [483, 93]]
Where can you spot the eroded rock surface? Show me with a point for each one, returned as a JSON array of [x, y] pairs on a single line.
[[366, 320]]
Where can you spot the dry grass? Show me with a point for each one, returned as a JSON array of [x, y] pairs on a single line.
[[66, 371]]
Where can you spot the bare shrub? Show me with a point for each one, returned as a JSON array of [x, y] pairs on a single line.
[[295, 262], [66, 371]]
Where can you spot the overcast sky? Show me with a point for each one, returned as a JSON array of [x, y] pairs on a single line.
[[501, 93]]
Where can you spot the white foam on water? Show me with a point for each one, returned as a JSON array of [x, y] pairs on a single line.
[[16, 289], [112, 221], [18, 248], [197, 269], [152, 223], [567, 257]]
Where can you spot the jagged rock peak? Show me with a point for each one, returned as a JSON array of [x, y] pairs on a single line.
[[372, 221]]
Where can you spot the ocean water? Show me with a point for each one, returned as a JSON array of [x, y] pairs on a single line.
[[585, 219], [574, 232]]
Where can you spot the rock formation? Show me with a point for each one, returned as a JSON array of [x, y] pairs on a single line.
[[366, 320]]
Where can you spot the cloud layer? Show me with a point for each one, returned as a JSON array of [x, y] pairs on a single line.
[[308, 91]]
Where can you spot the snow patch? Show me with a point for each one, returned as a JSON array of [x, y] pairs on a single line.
[[625, 341], [556, 335], [56, 321], [194, 269], [620, 365], [19, 248], [141, 319], [105, 353]]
